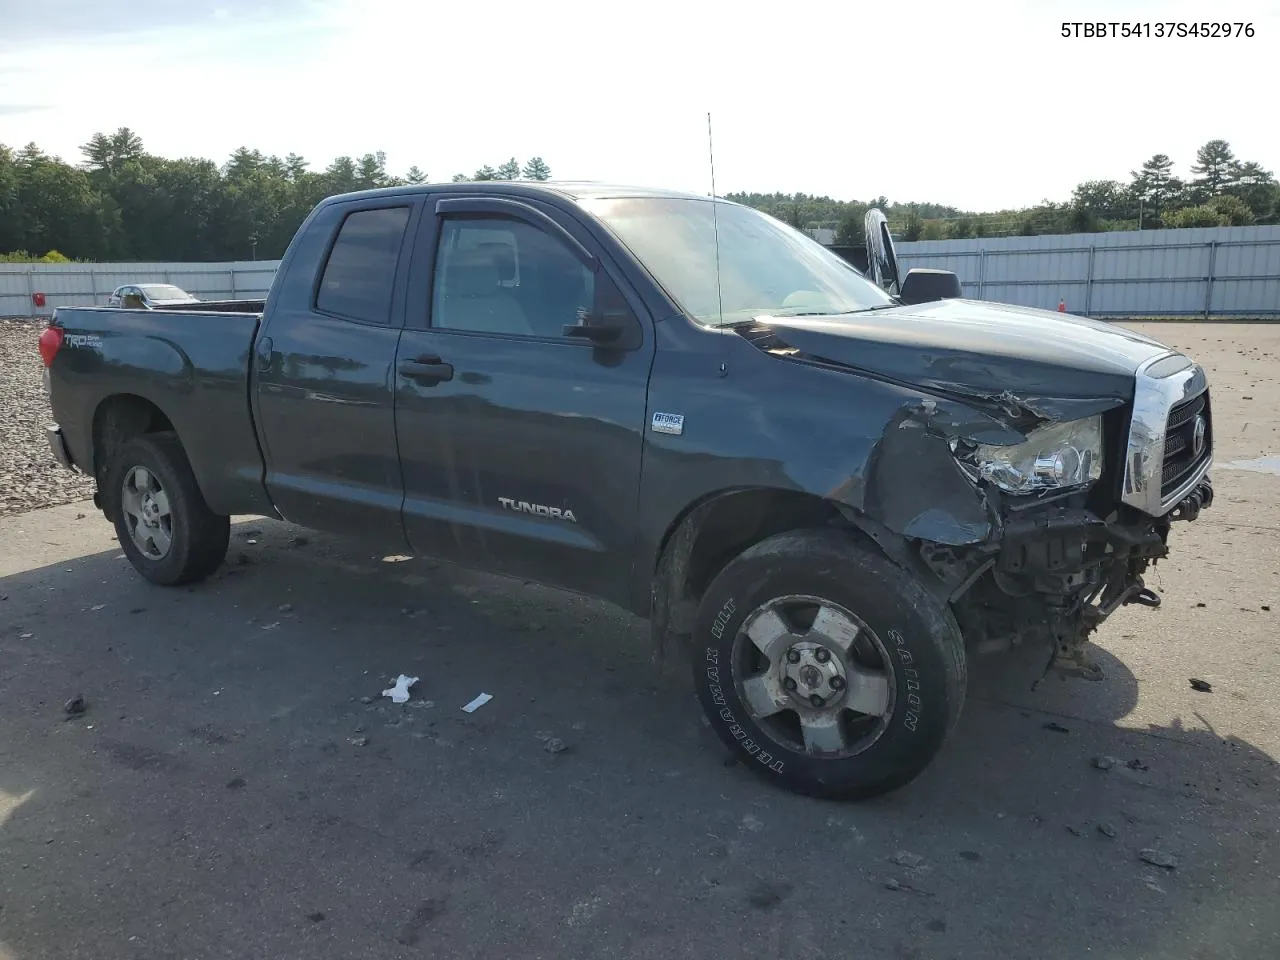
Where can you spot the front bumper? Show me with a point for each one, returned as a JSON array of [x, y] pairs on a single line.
[[58, 447]]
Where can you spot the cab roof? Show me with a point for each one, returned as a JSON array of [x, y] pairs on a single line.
[[575, 190]]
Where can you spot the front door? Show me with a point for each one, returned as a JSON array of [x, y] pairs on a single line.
[[521, 444], [323, 382]]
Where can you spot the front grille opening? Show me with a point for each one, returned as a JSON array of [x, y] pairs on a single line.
[[1181, 459]]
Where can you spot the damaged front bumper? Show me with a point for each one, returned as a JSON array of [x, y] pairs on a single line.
[[1060, 570]]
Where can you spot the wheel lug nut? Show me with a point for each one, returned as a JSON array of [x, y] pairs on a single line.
[[789, 683], [816, 700], [836, 683], [793, 656], [822, 655]]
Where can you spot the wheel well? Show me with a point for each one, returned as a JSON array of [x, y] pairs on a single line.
[[713, 532], [118, 420]]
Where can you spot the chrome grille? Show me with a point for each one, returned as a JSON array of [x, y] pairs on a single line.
[[1181, 458]]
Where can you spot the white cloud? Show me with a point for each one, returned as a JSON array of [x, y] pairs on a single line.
[[980, 105]]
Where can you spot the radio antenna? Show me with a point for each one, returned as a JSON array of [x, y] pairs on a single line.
[[715, 219]]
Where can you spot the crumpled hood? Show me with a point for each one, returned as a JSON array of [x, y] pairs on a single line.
[[1053, 365]]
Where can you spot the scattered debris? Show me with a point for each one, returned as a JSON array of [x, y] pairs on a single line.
[[971, 855], [904, 858], [97, 606], [1074, 831], [753, 823], [237, 784], [300, 542], [1107, 830], [477, 703], [358, 741], [1104, 763], [1201, 686], [366, 700], [285, 608], [1136, 764], [243, 560], [138, 610], [1159, 858], [271, 626], [74, 706], [315, 917], [554, 745], [900, 887], [1056, 727], [1199, 604], [399, 691], [1266, 607]]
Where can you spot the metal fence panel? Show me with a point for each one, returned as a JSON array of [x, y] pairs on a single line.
[[1205, 271], [82, 284]]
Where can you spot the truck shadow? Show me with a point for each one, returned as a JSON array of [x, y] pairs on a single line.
[[228, 783]]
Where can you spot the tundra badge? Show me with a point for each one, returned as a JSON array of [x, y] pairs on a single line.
[[537, 509], [672, 423]]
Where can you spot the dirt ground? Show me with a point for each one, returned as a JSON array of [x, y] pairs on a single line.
[[228, 792]]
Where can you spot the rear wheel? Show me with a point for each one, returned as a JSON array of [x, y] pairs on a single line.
[[162, 521], [825, 667]]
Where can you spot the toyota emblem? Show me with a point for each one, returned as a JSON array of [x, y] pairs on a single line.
[[1198, 435]]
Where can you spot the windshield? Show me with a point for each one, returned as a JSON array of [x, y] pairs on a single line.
[[163, 291], [766, 267]]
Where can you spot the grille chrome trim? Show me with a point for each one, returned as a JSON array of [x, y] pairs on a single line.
[[1154, 398]]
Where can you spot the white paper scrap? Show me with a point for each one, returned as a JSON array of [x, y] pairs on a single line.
[[477, 703], [400, 692]]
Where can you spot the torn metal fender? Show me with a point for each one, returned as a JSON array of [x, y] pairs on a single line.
[[914, 485]]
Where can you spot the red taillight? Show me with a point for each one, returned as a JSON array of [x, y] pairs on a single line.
[[50, 343]]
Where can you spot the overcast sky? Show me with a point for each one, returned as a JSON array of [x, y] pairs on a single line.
[[981, 104]]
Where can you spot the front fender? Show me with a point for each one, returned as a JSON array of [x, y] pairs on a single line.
[[878, 450]]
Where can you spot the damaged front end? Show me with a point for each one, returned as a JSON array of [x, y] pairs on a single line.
[[1078, 510]]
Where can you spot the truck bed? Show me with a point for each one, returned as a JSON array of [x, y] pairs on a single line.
[[191, 369]]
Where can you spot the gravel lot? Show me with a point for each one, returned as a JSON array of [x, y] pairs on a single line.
[[29, 476], [237, 787]]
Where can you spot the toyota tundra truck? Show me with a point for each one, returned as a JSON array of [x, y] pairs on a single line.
[[825, 487]]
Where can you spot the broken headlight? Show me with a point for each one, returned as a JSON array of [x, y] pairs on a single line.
[[1053, 457]]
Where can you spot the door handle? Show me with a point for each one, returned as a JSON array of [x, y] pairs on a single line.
[[426, 368], [264, 353]]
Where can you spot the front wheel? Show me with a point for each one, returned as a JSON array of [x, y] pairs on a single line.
[[825, 667], [162, 521]]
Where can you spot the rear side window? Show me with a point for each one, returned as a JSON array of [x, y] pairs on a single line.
[[361, 269]]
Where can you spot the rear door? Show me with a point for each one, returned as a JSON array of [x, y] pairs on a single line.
[[324, 380], [520, 445]]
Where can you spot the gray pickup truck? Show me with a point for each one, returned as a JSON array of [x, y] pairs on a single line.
[[827, 486]]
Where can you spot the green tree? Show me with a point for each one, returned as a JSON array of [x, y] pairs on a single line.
[[1107, 199], [371, 171], [1254, 186], [415, 175], [485, 173], [1196, 216], [1233, 211], [509, 170], [537, 169], [1214, 169], [1156, 186]]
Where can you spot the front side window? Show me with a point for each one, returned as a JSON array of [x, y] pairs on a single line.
[[496, 275], [361, 270], [763, 266]]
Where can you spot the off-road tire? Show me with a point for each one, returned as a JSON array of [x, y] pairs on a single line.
[[199, 536], [917, 630]]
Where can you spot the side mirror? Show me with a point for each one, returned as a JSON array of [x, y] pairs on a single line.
[[611, 323], [882, 258], [923, 285]]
